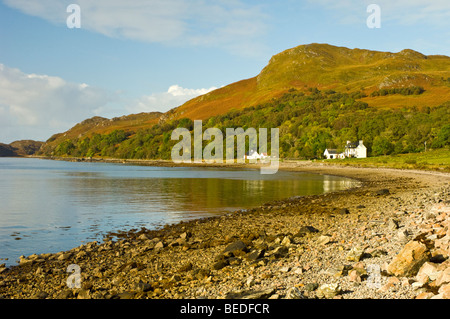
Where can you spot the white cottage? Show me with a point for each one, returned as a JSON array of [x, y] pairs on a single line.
[[331, 153], [357, 150]]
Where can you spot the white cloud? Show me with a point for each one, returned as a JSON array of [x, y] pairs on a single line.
[[35, 106], [217, 23], [164, 101]]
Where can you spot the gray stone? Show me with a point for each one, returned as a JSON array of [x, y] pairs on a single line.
[[328, 291], [238, 245]]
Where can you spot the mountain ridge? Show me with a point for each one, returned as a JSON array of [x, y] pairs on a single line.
[[314, 65]]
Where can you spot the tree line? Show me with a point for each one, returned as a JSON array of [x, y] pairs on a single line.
[[308, 124]]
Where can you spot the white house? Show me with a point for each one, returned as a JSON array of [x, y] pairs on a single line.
[[331, 153], [254, 155], [357, 150]]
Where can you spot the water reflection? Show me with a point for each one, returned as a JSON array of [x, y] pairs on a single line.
[[49, 206]]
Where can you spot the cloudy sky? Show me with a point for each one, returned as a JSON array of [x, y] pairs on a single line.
[[153, 55]]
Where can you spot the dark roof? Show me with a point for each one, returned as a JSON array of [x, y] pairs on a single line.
[[332, 151], [352, 145]]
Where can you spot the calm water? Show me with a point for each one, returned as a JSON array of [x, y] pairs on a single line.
[[50, 206]]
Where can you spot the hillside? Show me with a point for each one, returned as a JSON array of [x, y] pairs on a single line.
[[325, 67], [378, 80], [20, 148]]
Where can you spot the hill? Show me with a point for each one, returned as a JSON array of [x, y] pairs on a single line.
[[407, 81], [324, 66], [20, 148]]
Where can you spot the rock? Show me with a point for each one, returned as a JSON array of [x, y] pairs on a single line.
[[40, 295], [249, 294], [323, 240], [186, 267], [143, 286], [63, 256], [328, 291], [64, 294], [294, 293], [304, 230], [311, 286], [355, 254], [445, 291], [159, 245], [425, 295], [443, 277], [220, 264], [354, 276], [255, 254], [428, 272], [143, 237], [286, 241], [84, 294], [280, 252], [344, 211], [392, 224], [185, 235], [409, 260], [237, 245], [383, 191], [126, 295]]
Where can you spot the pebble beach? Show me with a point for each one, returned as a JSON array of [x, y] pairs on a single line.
[[389, 238]]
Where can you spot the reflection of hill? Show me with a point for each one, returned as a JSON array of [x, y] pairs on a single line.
[[190, 195]]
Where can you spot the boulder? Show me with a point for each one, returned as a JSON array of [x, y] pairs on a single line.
[[409, 260]]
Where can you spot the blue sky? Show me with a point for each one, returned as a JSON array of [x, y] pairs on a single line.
[[153, 55]]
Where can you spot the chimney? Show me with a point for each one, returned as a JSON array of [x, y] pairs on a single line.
[[360, 142]]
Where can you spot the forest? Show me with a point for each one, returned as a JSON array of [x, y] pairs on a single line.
[[308, 122]]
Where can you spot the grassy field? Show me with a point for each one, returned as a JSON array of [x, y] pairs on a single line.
[[438, 160]]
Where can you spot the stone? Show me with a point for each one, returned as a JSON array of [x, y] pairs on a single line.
[[445, 291], [443, 277], [220, 264], [143, 237], [159, 245], [311, 286], [237, 245], [255, 254], [251, 294], [355, 254], [425, 295], [354, 276], [304, 230], [392, 224], [294, 293], [328, 291], [126, 295], [286, 241], [428, 272], [63, 256], [383, 191], [323, 240], [409, 260], [280, 252], [40, 295]]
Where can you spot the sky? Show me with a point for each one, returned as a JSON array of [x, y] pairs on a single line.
[[153, 55]]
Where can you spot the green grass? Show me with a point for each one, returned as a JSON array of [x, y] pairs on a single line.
[[437, 160]]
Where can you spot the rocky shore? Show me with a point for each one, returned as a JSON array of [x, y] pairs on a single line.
[[389, 238]]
